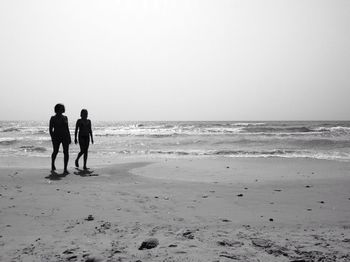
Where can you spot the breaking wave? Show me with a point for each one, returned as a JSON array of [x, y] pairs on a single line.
[[10, 129], [246, 153], [8, 141], [33, 149], [321, 140]]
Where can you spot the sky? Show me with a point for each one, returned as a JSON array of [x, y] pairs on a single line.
[[176, 59]]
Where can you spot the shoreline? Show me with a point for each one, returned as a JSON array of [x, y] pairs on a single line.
[[46, 217]]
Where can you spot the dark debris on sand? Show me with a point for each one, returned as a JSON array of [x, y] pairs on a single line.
[[149, 244], [89, 218], [189, 234]]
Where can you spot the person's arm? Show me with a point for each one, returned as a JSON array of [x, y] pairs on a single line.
[[90, 132], [69, 137], [51, 127], [76, 132]]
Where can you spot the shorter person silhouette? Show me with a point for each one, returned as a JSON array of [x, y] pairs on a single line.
[[83, 128], [59, 132]]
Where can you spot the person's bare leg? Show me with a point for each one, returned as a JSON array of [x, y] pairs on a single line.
[[66, 157], [78, 157], [54, 155], [85, 159], [53, 158]]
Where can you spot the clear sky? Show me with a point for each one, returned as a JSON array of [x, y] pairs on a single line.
[[176, 59]]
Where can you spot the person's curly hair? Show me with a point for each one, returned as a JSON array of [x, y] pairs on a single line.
[[59, 108], [83, 113]]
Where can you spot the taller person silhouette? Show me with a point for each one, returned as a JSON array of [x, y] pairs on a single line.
[[59, 132]]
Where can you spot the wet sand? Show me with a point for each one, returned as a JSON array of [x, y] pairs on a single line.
[[190, 209]]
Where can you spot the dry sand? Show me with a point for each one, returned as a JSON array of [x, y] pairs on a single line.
[[241, 210]]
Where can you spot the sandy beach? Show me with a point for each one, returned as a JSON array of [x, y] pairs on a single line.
[[213, 131], [189, 210]]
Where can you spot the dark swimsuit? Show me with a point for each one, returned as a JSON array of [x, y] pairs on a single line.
[[84, 134], [60, 132]]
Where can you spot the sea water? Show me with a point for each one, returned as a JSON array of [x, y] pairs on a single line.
[[307, 139]]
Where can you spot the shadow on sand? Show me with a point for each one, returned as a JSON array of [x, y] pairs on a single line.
[[56, 176], [84, 173], [119, 170]]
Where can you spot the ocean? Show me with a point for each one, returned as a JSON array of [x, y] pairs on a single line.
[[307, 139]]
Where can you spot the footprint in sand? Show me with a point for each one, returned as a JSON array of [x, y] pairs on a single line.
[[232, 256], [229, 243], [180, 252]]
